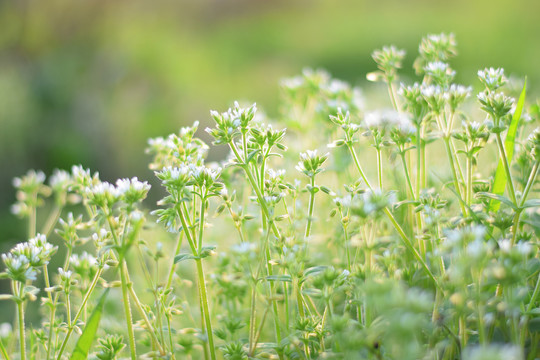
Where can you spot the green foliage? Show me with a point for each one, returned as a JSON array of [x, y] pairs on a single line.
[[88, 335], [386, 247]]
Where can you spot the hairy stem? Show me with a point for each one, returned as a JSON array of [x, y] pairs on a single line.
[[204, 300]]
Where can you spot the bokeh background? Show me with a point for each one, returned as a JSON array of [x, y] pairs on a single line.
[[87, 82]]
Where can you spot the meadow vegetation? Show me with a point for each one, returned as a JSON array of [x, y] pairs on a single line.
[[339, 231]]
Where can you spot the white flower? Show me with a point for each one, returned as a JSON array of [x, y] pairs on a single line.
[[132, 190], [5, 330]]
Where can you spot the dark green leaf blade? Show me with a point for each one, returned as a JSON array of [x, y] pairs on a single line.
[[89, 333]]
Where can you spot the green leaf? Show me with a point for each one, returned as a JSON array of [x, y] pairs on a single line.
[[182, 257], [500, 175], [89, 333], [315, 270], [286, 278], [496, 197], [531, 203]]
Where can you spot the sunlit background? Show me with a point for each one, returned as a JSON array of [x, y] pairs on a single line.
[[87, 82]]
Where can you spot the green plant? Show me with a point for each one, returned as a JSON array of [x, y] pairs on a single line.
[[433, 259]]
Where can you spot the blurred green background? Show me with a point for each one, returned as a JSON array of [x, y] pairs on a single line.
[[87, 82]]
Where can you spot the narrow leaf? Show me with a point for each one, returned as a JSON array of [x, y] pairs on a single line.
[[286, 278], [500, 175], [89, 333], [498, 198], [182, 257]]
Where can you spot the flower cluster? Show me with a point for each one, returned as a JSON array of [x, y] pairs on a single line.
[[310, 163]]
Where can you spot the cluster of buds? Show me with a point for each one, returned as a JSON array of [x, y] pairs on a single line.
[[388, 60], [175, 150], [24, 259], [310, 163], [106, 195], [343, 120], [231, 123], [30, 188], [435, 47]]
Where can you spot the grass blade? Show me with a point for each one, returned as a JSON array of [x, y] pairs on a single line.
[[499, 183], [89, 333]]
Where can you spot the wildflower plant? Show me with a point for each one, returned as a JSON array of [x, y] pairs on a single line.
[[414, 236]]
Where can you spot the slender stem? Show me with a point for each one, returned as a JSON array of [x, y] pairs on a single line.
[[202, 286], [515, 226], [418, 160], [51, 220], [32, 218], [20, 311], [204, 300], [258, 192], [139, 307], [80, 311], [379, 168], [53, 311], [47, 282], [502, 153], [530, 183], [127, 311], [3, 351], [393, 97], [398, 228], [468, 194], [346, 238], [275, 230], [454, 174], [299, 300], [173, 264], [68, 309], [407, 175], [463, 330], [310, 209], [458, 164], [201, 221]]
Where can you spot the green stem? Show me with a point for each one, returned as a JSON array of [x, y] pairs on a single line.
[[275, 230], [418, 160], [20, 311], [515, 226], [299, 300], [139, 307], [32, 218], [379, 168], [454, 174], [407, 175], [258, 192], [80, 311], [3, 351], [347, 251], [68, 309], [530, 183], [53, 311], [51, 220], [310, 209], [502, 154], [127, 311], [393, 98], [204, 300], [468, 194], [398, 228], [201, 221], [173, 265], [202, 286]]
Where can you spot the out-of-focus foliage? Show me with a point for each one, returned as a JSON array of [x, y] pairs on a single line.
[[89, 81]]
